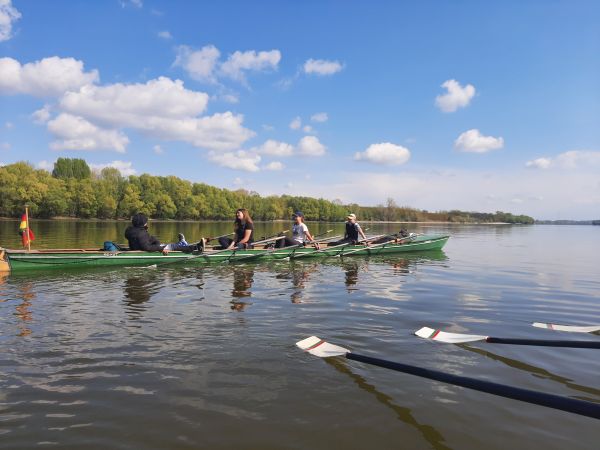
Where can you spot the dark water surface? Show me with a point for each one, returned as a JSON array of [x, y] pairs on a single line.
[[204, 357]]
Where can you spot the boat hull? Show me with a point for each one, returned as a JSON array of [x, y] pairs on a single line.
[[20, 260]]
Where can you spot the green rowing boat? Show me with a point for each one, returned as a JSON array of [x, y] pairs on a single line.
[[21, 260]]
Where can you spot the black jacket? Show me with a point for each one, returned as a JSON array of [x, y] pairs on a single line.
[[140, 239]]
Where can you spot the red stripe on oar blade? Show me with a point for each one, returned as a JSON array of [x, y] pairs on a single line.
[[434, 334], [550, 326], [315, 346]]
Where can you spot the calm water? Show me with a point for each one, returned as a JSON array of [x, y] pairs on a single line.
[[182, 357]]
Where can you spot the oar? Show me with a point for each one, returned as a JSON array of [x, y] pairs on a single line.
[[383, 244], [264, 240], [219, 237], [322, 250], [331, 238], [569, 328], [256, 255], [321, 234], [456, 338], [318, 347], [287, 248], [207, 255]]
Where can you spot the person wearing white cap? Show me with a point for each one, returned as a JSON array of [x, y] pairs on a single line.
[[353, 230]]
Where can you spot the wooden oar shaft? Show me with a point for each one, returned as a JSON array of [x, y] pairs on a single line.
[[543, 342], [219, 237], [571, 405]]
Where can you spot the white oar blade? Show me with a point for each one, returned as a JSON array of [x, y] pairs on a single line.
[[449, 338], [318, 347], [569, 328]]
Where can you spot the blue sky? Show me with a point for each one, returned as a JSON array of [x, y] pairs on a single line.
[[468, 105]]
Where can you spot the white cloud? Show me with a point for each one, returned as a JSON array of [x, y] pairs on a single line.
[[296, 123], [384, 153], [250, 60], [46, 165], [240, 160], [135, 3], [310, 146], [474, 142], [307, 129], [48, 77], [319, 117], [76, 133], [161, 108], [8, 15], [9, 125], [274, 148], [157, 149], [230, 98], [165, 35], [125, 167], [268, 127], [204, 65], [221, 131], [274, 165], [5, 146], [200, 64], [42, 115], [237, 181], [129, 105], [578, 158], [546, 194], [322, 67], [572, 159], [539, 163], [456, 97]]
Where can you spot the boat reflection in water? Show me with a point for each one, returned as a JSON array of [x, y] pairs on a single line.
[[301, 272]]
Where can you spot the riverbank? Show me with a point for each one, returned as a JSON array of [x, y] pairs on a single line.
[[76, 219]]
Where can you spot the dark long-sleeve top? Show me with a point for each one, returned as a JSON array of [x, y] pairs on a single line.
[[140, 239]]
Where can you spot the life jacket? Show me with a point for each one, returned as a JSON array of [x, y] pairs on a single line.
[[352, 231]]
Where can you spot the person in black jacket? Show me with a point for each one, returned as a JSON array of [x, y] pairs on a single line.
[[139, 238]]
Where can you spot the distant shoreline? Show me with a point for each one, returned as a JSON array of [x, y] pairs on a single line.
[[76, 219]]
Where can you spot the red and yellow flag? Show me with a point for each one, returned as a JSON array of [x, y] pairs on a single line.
[[26, 233]]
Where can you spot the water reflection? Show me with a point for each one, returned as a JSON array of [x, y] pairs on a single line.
[[539, 372], [351, 274], [429, 433], [299, 274], [23, 311], [139, 289], [243, 277]]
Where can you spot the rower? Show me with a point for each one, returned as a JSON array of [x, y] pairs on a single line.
[[300, 233], [353, 230]]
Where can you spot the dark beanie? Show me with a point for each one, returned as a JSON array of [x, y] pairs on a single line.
[[139, 220]]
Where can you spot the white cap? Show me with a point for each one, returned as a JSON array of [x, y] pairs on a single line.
[[352, 216]]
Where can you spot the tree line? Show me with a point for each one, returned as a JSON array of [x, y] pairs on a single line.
[[73, 190]]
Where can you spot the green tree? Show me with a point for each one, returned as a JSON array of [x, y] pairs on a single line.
[[71, 168], [131, 202]]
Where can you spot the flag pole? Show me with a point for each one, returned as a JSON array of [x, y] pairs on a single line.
[[27, 230]]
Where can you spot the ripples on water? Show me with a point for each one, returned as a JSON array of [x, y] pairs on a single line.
[[204, 357]]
